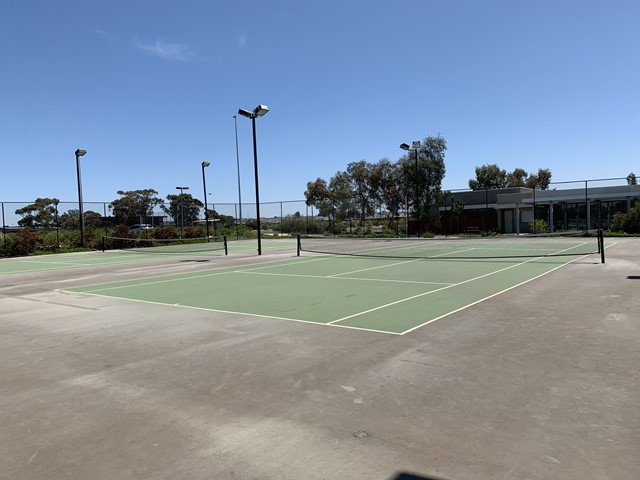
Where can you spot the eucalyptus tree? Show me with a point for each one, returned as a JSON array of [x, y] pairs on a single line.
[[135, 205], [488, 177], [427, 178], [39, 214], [184, 208]]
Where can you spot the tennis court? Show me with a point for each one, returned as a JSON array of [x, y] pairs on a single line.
[[202, 251], [370, 285], [132, 365]]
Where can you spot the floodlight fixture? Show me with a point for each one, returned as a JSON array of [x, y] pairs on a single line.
[[415, 144], [260, 110], [404, 146], [206, 164], [80, 152]]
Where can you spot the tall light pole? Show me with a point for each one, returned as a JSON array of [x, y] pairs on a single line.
[[235, 121], [259, 111], [415, 145], [182, 189], [204, 185], [79, 153]]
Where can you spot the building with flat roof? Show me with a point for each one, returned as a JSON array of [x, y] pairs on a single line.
[[510, 210]]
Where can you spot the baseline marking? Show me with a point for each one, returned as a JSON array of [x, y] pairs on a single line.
[[433, 291]]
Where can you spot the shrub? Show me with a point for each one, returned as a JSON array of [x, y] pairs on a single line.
[[627, 222], [538, 226], [163, 233], [25, 242]]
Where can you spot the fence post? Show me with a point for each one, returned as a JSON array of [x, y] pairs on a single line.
[[4, 233]]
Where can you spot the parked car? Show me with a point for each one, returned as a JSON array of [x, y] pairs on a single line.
[[139, 227]]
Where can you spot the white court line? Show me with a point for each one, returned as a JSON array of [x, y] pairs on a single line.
[[372, 268], [164, 279], [437, 290], [54, 263], [341, 278], [230, 312], [490, 296]]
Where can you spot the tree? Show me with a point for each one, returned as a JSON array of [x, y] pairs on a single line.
[[457, 209], [387, 187], [427, 181], [183, 204], [541, 180], [364, 187], [39, 214], [342, 196], [433, 150], [135, 205], [631, 179], [71, 219], [359, 175], [517, 178], [317, 194], [488, 177]]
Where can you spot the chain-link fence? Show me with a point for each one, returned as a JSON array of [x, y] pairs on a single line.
[[50, 225]]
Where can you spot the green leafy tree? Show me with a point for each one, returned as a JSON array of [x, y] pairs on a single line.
[[387, 187], [540, 180], [517, 178], [360, 177], [135, 205], [183, 204], [317, 195], [342, 196], [428, 178], [71, 219], [39, 214], [488, 177]]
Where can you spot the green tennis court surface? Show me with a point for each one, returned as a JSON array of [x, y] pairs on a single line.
[[377, 294], [42, 263]]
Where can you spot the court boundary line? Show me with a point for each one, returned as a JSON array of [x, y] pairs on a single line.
[[164, 278], [230, 312], [333, 322], [450, 286], [415, 282]]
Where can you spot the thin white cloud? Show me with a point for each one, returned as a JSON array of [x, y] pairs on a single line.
[[104, 33], [167, 51]]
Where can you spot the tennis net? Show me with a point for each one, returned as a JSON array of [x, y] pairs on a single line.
[[165, 246], [501, 246]]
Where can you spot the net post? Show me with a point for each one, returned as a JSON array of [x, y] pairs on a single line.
[[298, 245], [601, 244], [226, 250], [103, 243]]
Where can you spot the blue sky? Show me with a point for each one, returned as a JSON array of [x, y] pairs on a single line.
[[149, 88]]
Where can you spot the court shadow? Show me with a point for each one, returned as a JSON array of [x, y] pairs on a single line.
[[196, 260], [413, 476], [633, 277]]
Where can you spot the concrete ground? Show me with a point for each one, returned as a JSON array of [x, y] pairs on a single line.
[[541, 382]]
